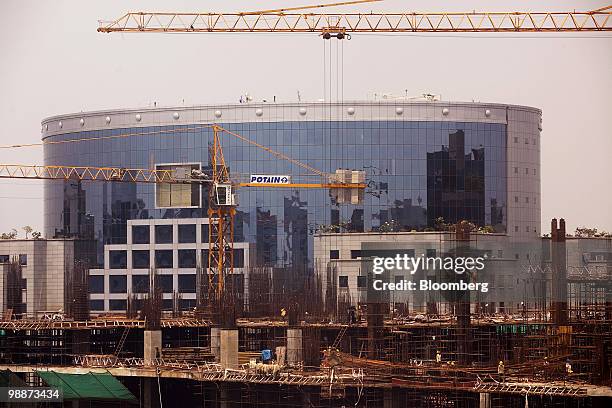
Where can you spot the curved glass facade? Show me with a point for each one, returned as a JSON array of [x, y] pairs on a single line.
[[417, 171]]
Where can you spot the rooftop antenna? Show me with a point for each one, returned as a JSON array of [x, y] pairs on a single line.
[[299, 96]]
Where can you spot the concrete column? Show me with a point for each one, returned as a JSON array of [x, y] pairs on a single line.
[[307, 400], [215, 340], [228, 356], [223, 396], [281, 355], [152, 345], [150, 394], [485, 400], [294, 347], [3, 271], [558, 257], [388, 398]]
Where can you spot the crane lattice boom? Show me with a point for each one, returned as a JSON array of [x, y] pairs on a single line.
[[119, 174], [410, 22], [84, 173]]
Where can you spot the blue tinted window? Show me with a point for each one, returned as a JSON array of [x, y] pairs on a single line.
[[117, 304], [187, 304], [140, 234], [166, 283], [186, 233], [96, 305], [204, 232], [117, 283], [163, 234], [140, 283], [187, 258], [96, 284], [167, 304], [187, 283], [117, 259], [140, 259], [163, 258]]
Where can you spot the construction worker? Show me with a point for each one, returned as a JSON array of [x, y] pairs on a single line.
[[266, 355], [352, 315], [501, 370]]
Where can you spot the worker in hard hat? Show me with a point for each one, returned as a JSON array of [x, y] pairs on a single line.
[[501, 370]]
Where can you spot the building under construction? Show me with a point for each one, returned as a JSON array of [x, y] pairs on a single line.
[[553, 349]]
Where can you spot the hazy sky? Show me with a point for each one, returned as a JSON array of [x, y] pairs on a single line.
[[53, 61]]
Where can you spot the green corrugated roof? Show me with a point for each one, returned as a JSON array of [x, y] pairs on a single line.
[[87, 386]]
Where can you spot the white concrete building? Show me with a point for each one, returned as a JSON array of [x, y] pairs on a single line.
[[516, 271], [174, 248], [344, 261], [43, 274]]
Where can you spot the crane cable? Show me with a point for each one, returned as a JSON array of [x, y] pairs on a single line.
[[277, 154], [90, 139], [282, 11], [171, 131]]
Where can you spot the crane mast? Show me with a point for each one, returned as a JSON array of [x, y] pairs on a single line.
[[221, 212]]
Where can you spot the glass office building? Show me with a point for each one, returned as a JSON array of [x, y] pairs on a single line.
[[423, 161]]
